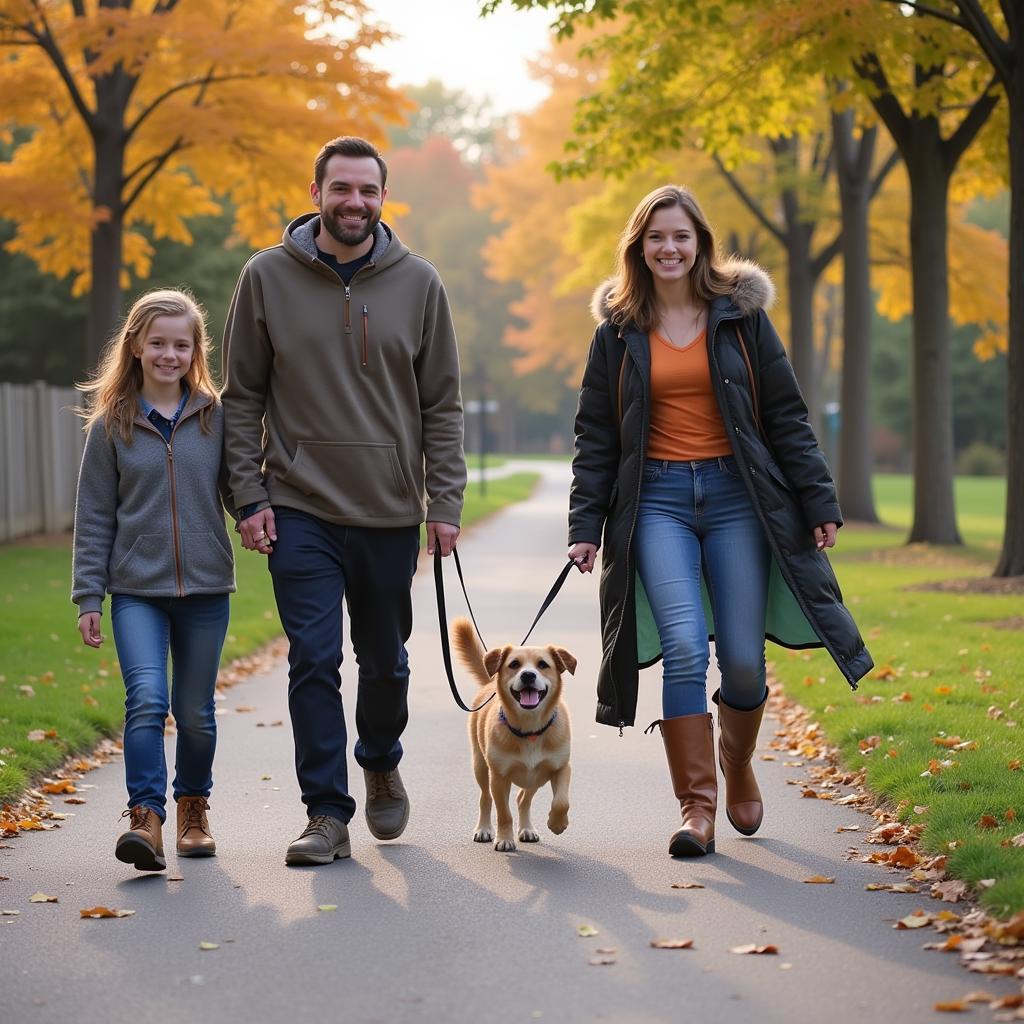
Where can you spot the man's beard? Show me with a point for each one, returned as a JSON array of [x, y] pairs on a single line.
[[349, 236]]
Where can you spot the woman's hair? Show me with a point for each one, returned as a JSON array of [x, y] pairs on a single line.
[[631, 298], [114, 387]]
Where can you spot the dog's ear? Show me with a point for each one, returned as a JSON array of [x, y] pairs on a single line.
[[493, 659], [563, 660]]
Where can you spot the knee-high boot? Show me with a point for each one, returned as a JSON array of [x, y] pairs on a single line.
[[737, 740], [689, 747]]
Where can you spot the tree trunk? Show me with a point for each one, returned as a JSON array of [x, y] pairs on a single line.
[[800, 281], [855, 456], [1011, 559], [932, 445]]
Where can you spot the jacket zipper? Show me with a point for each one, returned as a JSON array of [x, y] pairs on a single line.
[[366, 334], [179, 574], [348, 310]]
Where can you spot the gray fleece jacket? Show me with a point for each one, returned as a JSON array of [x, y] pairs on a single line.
[[148, 517]]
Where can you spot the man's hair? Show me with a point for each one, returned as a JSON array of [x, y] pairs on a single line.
[[347, 145]]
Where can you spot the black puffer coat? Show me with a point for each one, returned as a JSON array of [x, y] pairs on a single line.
[[783, 468]]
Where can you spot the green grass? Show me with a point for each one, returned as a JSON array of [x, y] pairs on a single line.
[[76, 691], [958, 673]]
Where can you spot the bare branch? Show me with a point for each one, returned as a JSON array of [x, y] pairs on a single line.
[[883, 172], [955, 145], [998, 51], [748, 200], [886, 105], [156, 165], [933, 12]]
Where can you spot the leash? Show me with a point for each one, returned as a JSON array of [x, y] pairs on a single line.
[[442, 618]]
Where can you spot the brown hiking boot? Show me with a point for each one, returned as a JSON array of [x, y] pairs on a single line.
[[690, 750], [142, 845], [387, 804], [194, 836], [736, 742]]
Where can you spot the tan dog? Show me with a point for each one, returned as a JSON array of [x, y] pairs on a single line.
[[522, 737]]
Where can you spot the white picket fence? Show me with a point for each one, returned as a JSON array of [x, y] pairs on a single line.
[[40, 449]]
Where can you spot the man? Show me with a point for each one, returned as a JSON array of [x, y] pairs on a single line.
[[342, 407]]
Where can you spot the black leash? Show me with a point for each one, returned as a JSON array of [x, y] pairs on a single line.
[[442, 618]]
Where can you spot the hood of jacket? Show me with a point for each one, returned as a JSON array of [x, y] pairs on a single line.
[[752, 291], [299, 240]]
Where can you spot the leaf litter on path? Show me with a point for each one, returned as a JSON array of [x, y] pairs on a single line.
[[101, 912]]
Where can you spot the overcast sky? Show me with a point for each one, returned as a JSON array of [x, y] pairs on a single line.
[[447, 39]]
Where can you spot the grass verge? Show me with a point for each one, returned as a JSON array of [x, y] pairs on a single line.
[[67, 696], [939, 723]]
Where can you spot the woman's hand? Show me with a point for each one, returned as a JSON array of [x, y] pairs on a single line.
[[825, 536], [89, 627], [584, 555]]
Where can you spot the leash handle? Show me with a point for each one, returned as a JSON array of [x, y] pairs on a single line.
[[552, 594], [442, 619]]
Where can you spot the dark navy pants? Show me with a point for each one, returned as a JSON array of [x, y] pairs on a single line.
[[314, 565]]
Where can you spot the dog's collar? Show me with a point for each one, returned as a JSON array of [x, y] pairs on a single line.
[[526, 735]]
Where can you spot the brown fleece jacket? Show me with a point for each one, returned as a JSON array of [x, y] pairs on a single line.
[[343, 402]]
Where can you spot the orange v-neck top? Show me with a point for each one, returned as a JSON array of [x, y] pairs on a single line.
[[685, 421]]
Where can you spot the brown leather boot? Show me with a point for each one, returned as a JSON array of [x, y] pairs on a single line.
[[142, 845], [690, 749], [737, 740], [194, 836]]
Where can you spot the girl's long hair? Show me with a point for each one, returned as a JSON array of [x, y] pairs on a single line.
[[631, 298], [113, 389]]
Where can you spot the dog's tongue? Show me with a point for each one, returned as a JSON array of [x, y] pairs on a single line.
[[529, 698]]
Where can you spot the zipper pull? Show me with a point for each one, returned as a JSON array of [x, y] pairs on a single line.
[[348, 308]]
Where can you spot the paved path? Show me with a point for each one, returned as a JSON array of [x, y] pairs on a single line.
[[437, 928]]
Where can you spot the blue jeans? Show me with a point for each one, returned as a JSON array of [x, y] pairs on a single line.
[[192, 629], [315, 565], [696, 518]]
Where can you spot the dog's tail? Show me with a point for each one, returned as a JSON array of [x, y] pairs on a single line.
[[469, 649]]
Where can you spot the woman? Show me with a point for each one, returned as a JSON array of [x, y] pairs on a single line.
[[695, 457]]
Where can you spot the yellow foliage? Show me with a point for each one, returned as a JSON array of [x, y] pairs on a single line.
[[231, 102]]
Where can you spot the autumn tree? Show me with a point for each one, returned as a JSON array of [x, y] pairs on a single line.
[[141, 115], [998, 31]]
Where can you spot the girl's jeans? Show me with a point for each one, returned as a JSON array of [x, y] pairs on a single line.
[[193, 629], [693, 517]]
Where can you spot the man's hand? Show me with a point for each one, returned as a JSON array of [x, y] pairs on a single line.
[[825, 536], [584, 555], [443, 534], [259, 531], [89, 627]]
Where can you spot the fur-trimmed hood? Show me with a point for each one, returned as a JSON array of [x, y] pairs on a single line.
[[754, 289]]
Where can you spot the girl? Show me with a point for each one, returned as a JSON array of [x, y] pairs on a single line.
[[695, 457], [149, 530]]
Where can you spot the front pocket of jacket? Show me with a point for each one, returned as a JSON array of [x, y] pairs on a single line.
[[351, 477], [148, 565], [206, 564], [777, 475]]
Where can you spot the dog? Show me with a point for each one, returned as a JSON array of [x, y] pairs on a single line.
[[522, 737]]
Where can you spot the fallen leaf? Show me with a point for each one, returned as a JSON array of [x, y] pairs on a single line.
[[988, 821], [958, 1007], [671, 943], [327, 906], [10, 913], [175, 878], [919, 919], [206, 946], [41, 897], [62, 786], [809, 794], [951, 891], [76, 800], [754, 948], [1014, 765], [687, 885], [586, 931], [601, 961], [605, 951], [819, 880], [979, 997], [243, 708], [98, 912], [848, 828]]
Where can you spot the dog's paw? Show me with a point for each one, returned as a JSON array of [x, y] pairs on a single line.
[[558, 823], [505, 846], [527, 835], [483, 835]]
